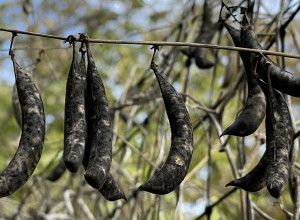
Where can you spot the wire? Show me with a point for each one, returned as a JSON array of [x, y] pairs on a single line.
[[157, 43]]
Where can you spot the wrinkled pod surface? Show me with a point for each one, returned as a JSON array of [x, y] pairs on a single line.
[[75, 128], [178, 160], [254, 111], [30, 148], [98, 154], [279, 139], [281, 79]]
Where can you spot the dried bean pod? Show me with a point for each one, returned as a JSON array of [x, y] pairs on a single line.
[[255, 180], [282, 80], [111, 190], [16, 106], [255, 108], [75, 127], [207, 31], [279, 139], [178, 161], [99, 141], [58, 171], [28, 154]]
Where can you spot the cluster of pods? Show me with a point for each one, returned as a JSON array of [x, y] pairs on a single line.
[[265, 79], [88, 132]]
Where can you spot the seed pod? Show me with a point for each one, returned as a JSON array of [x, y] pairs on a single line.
[[207, 31], [255, 180], [282, 80], [99, 140], [255, 108], [279, 139], [178, 161], [16, 106], [58, 171], [28, 154], [75, 127], [111, 190]]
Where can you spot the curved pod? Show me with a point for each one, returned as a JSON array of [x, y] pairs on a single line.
[[281, 79], [111, 190], [58, 171], [206, 33], [255, 180], [28, 154], [178, 161], [254, 111]]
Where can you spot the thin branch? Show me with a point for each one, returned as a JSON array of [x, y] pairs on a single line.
[[158, 43], [217, 202], [260, 212]]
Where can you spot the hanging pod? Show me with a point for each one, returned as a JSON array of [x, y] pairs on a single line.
[[281, 79], [99, 141], [111, 190], [207, 31], [75, 128], [254, 111], [279, 138], [98, 154], [255, 180], [30, 148], [58, 171], [178, 161]]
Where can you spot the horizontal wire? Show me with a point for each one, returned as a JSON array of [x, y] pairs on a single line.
[[157, 43]]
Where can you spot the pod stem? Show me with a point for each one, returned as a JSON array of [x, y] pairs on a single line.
[[10, 52], [82, 48], [153, 65]]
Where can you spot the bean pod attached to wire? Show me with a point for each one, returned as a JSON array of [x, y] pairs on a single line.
[[30, 148], [254, 111], [281, 79], [178, 161], [75, 128], [99, 140]]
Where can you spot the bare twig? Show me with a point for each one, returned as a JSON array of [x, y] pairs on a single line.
[[260, 212], [217, 202]]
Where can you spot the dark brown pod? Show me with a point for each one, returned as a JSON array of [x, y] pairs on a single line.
[[255, 108], [28, 154], [279, 139], [99, 140], [58, 171], [255, 180], [104, 182], [75, 128], [281, 79], [207, 30], [111, 190], [178, 161]]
